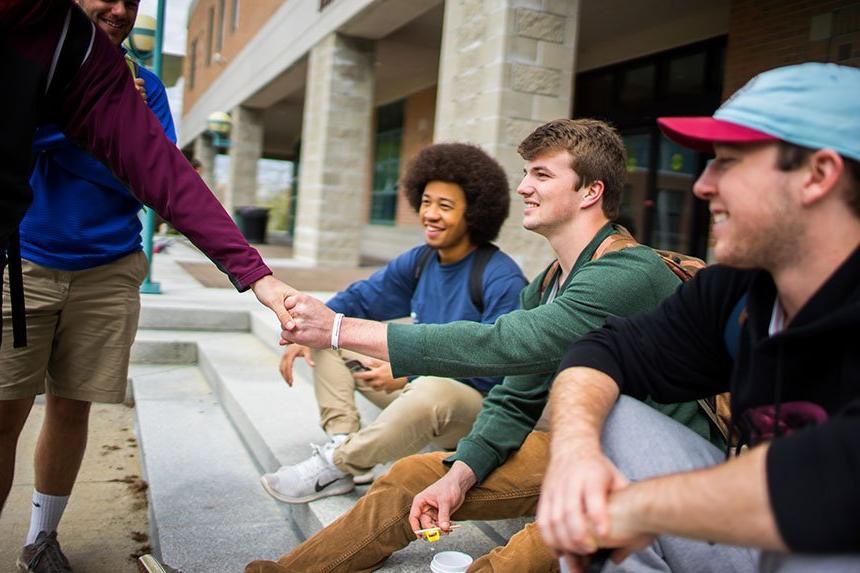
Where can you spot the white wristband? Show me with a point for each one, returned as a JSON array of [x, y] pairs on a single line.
[[335, 330]]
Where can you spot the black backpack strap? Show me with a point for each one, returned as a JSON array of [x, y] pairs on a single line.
[[421, 261], [732, 331], [16, 291], [72, 51], [483, 254]]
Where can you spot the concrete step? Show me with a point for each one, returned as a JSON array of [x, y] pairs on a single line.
[[207, 512], [166, 316], [277, 423]]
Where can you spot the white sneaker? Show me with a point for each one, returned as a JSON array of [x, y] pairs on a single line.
[[314, 478]]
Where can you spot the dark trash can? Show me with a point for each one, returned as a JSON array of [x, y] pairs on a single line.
[[252, 221]]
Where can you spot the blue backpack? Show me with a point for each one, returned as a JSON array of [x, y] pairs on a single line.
[[718, 408]]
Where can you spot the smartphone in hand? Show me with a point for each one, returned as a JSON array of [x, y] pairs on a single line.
[[355, 366]]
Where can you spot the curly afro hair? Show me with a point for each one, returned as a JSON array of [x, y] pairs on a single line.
[[482, 179]]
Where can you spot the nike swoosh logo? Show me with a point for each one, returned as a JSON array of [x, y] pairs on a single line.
[[319, 487]]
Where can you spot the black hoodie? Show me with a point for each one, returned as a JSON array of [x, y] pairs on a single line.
[[800, 387]]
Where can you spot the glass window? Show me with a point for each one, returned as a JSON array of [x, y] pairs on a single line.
[[635, 192], [219, 37], [657, 198], [673, 205], [638, 151], [676, 159], [667, 231], [386, 163], [637, 85], [234, 18], [687, 74], [595, 95], [192, 64], [209, 38]]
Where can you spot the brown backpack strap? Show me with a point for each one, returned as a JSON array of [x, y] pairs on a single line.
[[615, 242], [551, 271]]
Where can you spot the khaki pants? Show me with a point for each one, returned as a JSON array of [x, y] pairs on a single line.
[[80, 328], [428, 410], [378, 524]]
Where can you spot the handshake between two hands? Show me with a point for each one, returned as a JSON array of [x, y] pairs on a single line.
[[303, 318], [312, 322]]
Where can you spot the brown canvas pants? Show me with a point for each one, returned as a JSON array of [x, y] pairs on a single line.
[[378, 525]]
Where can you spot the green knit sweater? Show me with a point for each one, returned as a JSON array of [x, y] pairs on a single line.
[[527, 345]]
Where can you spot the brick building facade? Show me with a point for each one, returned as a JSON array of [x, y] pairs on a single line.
[[352, 89]]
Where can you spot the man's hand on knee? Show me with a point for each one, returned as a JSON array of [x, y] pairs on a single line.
[[626, 534], [573, 509], [433, 506]]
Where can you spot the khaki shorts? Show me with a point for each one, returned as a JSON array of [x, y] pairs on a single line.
[[80, 328]]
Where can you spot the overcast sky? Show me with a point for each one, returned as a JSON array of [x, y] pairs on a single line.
[[175, 17]]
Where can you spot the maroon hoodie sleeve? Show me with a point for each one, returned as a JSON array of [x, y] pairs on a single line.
[[103, 111]]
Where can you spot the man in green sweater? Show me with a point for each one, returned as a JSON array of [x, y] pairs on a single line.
[[574, 174]]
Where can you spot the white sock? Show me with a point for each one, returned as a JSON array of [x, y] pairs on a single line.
[[46, 513], [328, 451]]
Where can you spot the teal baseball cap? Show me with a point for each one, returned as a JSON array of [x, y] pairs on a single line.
[[812, 105]]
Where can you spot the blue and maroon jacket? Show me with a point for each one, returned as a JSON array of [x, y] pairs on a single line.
[[57, 67]]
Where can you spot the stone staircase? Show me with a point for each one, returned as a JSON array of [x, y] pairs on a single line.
[[213, 414]]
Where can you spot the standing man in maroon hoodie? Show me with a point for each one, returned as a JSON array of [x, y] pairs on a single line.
[[56, 66]]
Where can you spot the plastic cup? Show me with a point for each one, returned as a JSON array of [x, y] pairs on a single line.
[[450, 562]]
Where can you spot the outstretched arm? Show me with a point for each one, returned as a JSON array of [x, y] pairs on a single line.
[[102, 110], [527, 341]]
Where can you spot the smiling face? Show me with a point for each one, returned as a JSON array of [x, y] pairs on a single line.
[[549, 192], [114, 17], [443, 214], [757, 217]]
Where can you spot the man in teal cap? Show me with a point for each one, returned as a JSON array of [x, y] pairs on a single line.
[[775, 323]]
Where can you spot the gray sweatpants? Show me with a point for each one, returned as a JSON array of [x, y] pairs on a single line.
[[644, 443]]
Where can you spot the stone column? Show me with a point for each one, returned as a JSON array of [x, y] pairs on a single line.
[[335, 163], [246, 147], [506, 67], [205, 153]]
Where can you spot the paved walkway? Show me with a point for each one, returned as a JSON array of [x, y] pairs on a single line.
[[295, 273], [106, 522]]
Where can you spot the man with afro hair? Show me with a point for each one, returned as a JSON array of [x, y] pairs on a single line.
[[462, 198]]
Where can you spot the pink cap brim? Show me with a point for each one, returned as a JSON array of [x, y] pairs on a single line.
[[700, 133]]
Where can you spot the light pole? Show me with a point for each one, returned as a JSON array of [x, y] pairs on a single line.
[[149, 286], [218, 126]]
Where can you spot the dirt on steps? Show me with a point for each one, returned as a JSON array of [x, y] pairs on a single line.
[[105, 526]]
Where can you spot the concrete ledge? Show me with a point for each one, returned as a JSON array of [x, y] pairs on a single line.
[[166, 317], [206, 514], [163, 352]]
